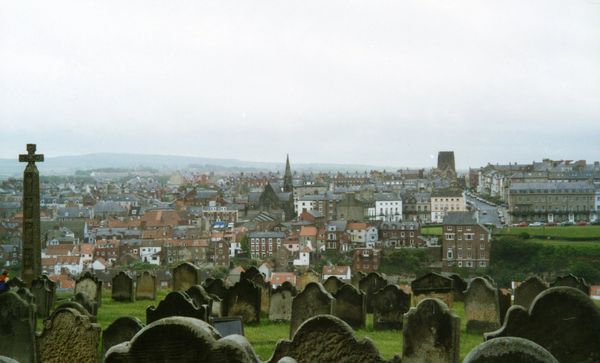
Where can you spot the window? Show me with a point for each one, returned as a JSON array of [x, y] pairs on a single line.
[[449, 236], [482, 263], [450, 254]]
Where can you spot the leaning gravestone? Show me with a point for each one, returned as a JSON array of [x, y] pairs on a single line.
[[431, 333], [333, 284], [44, 291], [200, 297], [123, 287], [370, 284], [572, 281], [350, 306], [528, 290], [185, 276], [312, 301], [176, 303], [68, 336], [145, 288], [89, 284], [280, 309], [509, 349], [433, 285], [17, 327], [389, 306], [121, 330], [325, 338], [563, 320], [243, 300], [482, 307], [183, 340]]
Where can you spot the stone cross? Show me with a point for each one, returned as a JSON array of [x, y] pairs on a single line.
[[32, 249]]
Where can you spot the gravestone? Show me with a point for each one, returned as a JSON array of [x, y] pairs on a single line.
[[459, 285], [370, 284], [4, 359], [68, 336], [243, 299], [280, 309], [122, 287], [145, 288], [17, 326], [185, 275], [218, 290], [265, 291], [89, 284], [482, 307], [563, 320], [200, 297], [389, 306], [312, 301], [433, 285], [333, 284], [84, 300], [572, 281], [44, 291], [509, 349], [176, 303], [431, 333], [350, 306], [356, 277], [307, 277], [228, 325], [121, 330], [76, 306], [505, 301], [526, 292], [183, 340], [325, 338], [32, 246], [251, 273]]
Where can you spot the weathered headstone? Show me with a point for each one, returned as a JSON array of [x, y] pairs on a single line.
[[572, 281], [123, 287], [84, 300], [431, 333], [563, 320], [509, 350], [32, 245], [17, 327], [121, 330], [145, 288], [218, 289], [200, 297], [176, 303], [243, 299], [185, 275], [505, 301], [4, 359], [44, 291], [307, 277], [482, 307], [433, 285], [68, 336], [356, 277], [251, 273], [370, 284], [325, 338], [333, 284], [183, 340], [389, 306], [459, 286], [526, 292], [280, 308], [265, 291], [90, 285], [313, 300], [350, 306]]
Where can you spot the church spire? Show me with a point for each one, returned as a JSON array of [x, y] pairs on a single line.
[[287, 177]]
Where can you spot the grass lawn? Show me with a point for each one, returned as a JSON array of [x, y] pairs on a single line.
[[432, 230], [591, 245], [556, 231]]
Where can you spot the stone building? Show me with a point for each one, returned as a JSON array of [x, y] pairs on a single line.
[[465, 242], [445, 201]]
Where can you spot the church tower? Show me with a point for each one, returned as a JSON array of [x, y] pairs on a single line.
[[287, 177]]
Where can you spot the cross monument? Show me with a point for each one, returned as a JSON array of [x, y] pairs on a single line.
[[32, 246]]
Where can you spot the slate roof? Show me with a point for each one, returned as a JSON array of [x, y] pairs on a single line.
[[552, 186], [459, 218]]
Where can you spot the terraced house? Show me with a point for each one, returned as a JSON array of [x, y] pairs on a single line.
[[465, 242]]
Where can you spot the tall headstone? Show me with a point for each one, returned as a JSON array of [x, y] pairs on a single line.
[[123, 287], [17, 327], [68, 336], [370, 284], [90, 285], [44, 291], [145, 288], [350, 306], [185, 276], [200, 297], [433, 285], [32, 246], [250, 273], [431, 333], [280, 308], [313, 300], [219, 291], [389, 306], [243, 299], [509, 349], [333, 284], [527, 291], [482, 306], [176, 303], [265, 291], [505, 301], [563, 320], [459, 286], [121, 330], [572, 281]]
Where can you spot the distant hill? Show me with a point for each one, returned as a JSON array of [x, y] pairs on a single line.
[[67, 165]]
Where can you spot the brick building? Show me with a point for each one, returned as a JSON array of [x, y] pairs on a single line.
[[465, 242]]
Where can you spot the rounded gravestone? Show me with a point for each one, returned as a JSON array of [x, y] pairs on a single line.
[[509, 350]]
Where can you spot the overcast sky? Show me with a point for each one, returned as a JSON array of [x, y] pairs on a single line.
[[372, 82]]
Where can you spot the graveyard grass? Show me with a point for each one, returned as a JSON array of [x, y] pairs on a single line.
[[265, 336]]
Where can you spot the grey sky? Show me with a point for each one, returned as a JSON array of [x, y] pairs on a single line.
[[375, 82]]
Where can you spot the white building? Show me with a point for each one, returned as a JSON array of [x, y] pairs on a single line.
[[445, 201], [303, 259], [150, 254], [388, 208]]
